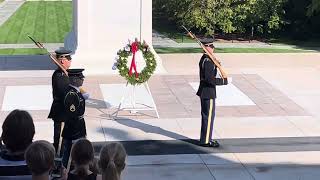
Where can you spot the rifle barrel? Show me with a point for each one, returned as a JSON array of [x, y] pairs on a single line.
[[40, 46], [185, 28], [32, 39]]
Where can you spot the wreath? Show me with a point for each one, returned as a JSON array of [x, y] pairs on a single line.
[[135, 78]]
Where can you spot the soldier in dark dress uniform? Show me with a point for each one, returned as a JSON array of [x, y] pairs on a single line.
[[74, 108], [207, 94], [60, 83]]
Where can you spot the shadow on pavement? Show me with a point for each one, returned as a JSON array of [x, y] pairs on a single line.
[[25, 62], [181, 144]]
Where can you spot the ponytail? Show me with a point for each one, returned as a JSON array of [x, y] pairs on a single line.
[[112, 161], [113, 173], [82, 154]]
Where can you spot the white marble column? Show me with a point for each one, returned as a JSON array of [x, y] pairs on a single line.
[[102, 27]]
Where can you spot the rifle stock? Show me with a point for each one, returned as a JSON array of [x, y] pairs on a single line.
[[40, 46], [222, 73]]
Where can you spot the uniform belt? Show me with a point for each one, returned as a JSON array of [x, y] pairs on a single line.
[[77, 118]]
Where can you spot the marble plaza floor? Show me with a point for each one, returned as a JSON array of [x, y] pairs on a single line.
[[267, 118]]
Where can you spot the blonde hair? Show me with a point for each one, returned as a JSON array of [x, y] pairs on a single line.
[[112, 161], [40, 157]]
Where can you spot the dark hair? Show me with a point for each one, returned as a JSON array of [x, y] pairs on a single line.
[[82, 153], [40, 157], [112, 161], [17, 130]]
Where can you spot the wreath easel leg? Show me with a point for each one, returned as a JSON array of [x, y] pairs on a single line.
[[121, 101]]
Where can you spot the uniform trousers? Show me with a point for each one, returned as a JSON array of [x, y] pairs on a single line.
[[56, 135], [208, 107]]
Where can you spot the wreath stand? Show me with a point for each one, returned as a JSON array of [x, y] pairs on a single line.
[[132, 98]]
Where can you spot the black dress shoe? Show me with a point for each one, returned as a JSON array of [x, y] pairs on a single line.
[[213, 144]]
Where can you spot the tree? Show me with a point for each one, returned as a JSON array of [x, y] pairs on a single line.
[[207, 15], [259, 15], [313, 8], [226, 16]]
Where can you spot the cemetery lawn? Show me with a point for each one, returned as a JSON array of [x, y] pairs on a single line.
[[22, 51], [44, 20]]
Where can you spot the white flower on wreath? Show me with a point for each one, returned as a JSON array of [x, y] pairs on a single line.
[[127, 48]]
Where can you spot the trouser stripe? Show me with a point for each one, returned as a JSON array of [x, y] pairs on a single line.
[[209, 121]]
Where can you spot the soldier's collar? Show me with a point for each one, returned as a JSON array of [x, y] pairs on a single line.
[[75, 87]]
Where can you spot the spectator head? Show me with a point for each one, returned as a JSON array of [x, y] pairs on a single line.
[[40, 157], [112, 161], [82, 154], [17, 130]]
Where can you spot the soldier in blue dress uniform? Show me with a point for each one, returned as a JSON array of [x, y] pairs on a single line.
[[60, 83], [74, 108], [207, 94]]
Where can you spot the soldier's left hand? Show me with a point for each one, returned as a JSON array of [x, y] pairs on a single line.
[[82, 90]]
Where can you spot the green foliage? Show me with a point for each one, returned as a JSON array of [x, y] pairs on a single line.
[[203, 15], [313, 8], [226, 16], [301, 25], [22, 51], [260, 15]]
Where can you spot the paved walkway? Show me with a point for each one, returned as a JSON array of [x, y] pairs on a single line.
[[164, 44], [7, 8], [275, 138]]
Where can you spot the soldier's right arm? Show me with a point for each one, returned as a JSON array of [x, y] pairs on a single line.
[[209, 72]]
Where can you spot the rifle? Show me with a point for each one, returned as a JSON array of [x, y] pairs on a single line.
[[40, 45], [222, 73]]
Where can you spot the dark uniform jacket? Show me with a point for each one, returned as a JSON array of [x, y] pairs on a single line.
[[60, 84], [74, 108], [208, 80]]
